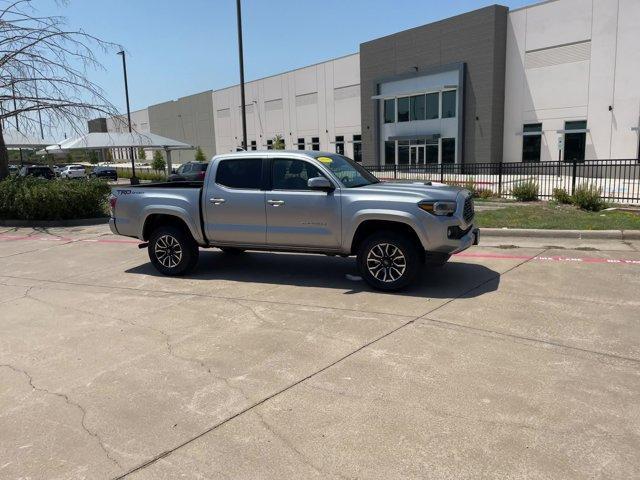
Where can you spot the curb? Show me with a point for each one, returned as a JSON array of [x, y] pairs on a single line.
[[575, 234], [75, 222]]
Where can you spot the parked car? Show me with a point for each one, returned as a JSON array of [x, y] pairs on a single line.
[[189, 172], [73, 171], [13, 169], [40, 171], [104, 172], [303, 202]]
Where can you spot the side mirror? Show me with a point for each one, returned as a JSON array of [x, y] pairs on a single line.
[[320, 183]]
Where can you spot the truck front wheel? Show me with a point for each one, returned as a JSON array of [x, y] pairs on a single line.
[[172, 250], [388, 261]]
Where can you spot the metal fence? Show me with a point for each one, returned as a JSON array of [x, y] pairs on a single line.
[[618, 180]]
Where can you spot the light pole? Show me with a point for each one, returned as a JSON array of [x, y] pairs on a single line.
[[240, 55], [134, 180]]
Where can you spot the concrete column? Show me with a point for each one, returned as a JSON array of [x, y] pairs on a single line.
[[168, 152]]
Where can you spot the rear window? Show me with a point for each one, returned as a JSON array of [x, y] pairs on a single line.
[[200, 167], [77, 168], [240, 173]]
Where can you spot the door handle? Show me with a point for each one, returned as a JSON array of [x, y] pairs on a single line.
[[217, 201], [275, 203]]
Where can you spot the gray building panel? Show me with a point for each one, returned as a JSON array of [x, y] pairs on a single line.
[[475, 39], [188, 119]]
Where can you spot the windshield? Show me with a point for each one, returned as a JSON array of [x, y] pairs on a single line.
[[350, 173]]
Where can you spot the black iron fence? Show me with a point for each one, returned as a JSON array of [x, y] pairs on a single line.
[[618, 180]]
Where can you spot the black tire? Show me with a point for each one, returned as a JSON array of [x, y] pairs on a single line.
[[181, 250], [232, 250], [387, 246]]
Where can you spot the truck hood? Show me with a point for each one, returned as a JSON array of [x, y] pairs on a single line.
[[419, 190]]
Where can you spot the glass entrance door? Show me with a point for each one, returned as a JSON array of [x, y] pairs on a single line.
[[417, 154]]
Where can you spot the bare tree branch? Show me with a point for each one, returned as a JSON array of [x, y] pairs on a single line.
[[44, 71]]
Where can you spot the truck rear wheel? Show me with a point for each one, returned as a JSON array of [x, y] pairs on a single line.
[[172, 250], [388, 261]]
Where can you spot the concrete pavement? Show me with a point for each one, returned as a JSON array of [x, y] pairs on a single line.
[[506, 363]]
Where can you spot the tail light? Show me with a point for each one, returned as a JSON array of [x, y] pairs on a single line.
[[201, 175], [112, 205]]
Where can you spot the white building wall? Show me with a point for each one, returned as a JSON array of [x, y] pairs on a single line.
[[321, 100], [571, 60]]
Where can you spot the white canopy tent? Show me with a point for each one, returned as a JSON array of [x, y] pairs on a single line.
[[103, 140], [14, 140]]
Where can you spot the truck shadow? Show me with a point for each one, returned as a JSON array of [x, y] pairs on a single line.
[[306, 270]]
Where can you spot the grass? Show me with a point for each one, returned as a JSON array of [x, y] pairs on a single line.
[[557, 217]]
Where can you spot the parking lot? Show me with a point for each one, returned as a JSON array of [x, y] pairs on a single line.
[[506, 363]]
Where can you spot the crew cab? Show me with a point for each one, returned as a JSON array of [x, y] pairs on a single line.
[[298, 201]]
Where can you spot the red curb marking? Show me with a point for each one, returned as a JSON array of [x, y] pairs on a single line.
[[463, 254]]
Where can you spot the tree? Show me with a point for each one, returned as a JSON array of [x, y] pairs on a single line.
[[278, 142], [93, 157], [158, 163], [142, 155], [200, 155], [44, 68]]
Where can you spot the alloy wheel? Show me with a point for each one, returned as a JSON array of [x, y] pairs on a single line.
[[168, 251], [386, 262]]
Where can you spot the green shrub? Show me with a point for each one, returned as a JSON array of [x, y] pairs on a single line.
[[525, 191], [561, 196], [142, 174], [588, 197], [471, 186], [485, 193], [36, 199]]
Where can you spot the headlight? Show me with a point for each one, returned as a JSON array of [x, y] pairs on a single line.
[[439, 207]]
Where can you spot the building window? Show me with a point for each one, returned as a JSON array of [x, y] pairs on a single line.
[[448, 150], [269, 144], [340, 144], [301, 143], [431, 153], [449, 103], [254, 146], [417, 107], [531, 141], [403, 152], [575, 141], [390, 110], [403, 109], [433, 105], [357, 148], [389, 152], [315, 143]]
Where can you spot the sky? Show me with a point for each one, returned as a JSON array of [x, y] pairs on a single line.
[[181, 47]]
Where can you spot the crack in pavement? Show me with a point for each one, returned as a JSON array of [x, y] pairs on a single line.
[[306, 460], [66, 398]]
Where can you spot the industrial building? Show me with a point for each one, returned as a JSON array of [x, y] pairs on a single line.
[[554, 80]]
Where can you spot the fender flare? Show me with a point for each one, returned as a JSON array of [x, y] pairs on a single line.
[[395, 216], [172, 211]]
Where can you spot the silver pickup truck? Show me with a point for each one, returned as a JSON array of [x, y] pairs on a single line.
[[298, 201]]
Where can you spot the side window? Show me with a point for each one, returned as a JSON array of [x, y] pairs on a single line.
[[240, 173], [289, 174]]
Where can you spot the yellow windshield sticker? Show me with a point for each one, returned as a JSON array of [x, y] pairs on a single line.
[[325, 160]]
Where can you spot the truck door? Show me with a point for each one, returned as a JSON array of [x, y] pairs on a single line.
[[296, 215], [234, 202]]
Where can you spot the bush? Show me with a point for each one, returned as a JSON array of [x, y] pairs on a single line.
[[485, 193], [561, 196], [587, 197], [525, 191], [200, 155], [26, 198], [142, 174], [158, 163]]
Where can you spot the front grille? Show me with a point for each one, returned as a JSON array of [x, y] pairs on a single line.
[[468, 212]]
